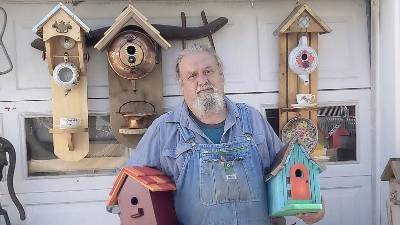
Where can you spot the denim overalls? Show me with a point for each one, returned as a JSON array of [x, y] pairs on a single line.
[[222, 184]]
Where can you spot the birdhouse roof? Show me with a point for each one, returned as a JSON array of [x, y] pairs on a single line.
[[58, 7], [283, 157], [131, 16], [295, 14], [392, 170], [152, 179]]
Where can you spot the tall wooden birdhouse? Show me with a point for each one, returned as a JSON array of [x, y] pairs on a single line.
[[144, 196], [391, 173], [293, 183], [298, 63], [135, 83], [64, 37]]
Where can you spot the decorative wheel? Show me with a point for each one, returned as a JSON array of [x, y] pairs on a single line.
[[304, 130]]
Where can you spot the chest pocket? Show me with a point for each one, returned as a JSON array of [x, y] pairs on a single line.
[[177, 159], [229, 175]]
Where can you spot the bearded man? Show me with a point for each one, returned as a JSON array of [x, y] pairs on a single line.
[[215, 150]]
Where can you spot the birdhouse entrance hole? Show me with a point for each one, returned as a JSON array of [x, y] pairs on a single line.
[[65, 75], [299, 173], [134, 201]]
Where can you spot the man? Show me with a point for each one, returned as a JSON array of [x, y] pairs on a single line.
[[215, 150]]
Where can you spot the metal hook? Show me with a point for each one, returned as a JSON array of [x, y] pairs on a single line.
[[2, 44]]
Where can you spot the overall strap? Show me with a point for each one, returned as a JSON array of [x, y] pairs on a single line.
[[186, 134], [245, 119]]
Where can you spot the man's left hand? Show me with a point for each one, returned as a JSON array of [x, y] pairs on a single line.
[[310, 218]]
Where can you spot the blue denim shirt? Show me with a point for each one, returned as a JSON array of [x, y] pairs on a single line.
[[163, 147]]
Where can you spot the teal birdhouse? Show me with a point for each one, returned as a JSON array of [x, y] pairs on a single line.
[[293, 182]]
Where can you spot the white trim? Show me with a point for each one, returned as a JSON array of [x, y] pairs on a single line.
[[38, 26]]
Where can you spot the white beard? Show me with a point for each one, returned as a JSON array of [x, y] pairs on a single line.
[[208, 103]]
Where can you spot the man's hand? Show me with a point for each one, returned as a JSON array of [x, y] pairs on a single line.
[[310, 218]]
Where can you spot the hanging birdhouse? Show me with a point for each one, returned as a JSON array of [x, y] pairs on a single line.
[[64, 37], [293, 182], [298, 63], [143, 195], [133, 50], [391, 173]]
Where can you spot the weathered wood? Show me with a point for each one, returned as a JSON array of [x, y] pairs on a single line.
[[292, 87], [291, 20], [314, 78], [58, 165], [61, 107], [148, 89], [131, 16], [283, 100]]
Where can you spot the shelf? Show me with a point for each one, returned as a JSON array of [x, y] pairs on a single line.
[[70, 131], [298, 109], [125, 130]]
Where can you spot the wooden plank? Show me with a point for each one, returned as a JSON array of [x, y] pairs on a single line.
[[292, 88], [58, 165], [61, 107], [70, 131], [132, 131], [314, 78], [149, 88], [49, 58], [81, 55], [283, 102]]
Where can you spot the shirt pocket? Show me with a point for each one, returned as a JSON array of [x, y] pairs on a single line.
[[177, 159], [260, 142]]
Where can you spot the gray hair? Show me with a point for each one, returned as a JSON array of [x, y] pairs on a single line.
[[197, 48]]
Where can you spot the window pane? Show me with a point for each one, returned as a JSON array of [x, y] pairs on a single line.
[[105, 153], [337, 128], [273, 119], [336, 132]]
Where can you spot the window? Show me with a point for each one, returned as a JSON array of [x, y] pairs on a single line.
[[105, 153], [336, 132]]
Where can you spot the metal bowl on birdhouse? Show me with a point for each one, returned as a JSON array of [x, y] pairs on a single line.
[[138, 120], [132, 54]]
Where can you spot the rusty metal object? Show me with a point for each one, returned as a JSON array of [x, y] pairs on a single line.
[[183, 18], [166, 31], [138, 120], [132, 54], [205, 22], [7, 147]]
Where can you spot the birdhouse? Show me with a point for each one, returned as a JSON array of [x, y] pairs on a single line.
[[293, 182], [144, 196], [335, 137], [298, 63], [391, 173], [64, 38], [133, 50]]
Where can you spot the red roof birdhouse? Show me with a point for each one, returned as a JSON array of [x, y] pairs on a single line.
[[144, 196]]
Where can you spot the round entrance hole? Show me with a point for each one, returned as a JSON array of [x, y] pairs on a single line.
[[134, 201]]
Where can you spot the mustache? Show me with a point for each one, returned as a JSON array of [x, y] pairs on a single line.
[[205, 87]]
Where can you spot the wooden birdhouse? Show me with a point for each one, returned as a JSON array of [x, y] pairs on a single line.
[[64, 37], [391, 173], [293, 183], [135, 83], [298, 63], [144, 197]]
